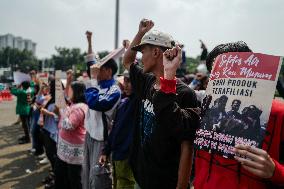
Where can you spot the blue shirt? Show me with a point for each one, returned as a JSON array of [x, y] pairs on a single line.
[[50, 123]]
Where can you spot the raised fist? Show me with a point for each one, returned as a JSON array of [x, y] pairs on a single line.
[[145, 25], [89, 35], [171, 61], [126, 43]]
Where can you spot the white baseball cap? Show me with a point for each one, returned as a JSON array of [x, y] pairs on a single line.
[[157, 38]]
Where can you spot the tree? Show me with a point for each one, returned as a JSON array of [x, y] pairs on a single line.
[[67, 58], [18, 60], [102, 54], [192, 64]]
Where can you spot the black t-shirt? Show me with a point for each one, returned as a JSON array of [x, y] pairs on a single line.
[[157, 139]]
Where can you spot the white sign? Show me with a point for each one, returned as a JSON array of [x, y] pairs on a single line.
[[115, 54], [242, 86], [20, 77], [59, 93]]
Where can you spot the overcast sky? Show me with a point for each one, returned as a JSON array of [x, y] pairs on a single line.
[[63, 23]]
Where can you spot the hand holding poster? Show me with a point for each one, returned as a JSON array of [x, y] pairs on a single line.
[[242, 87], [59, 93]]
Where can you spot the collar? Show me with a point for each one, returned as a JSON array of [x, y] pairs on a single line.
[[106, 83]]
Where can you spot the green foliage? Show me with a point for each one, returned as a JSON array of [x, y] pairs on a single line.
[[102, 54], [192, 63], [65, 58], [17, 59], [69, 58]]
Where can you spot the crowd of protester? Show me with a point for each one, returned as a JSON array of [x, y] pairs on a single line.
[[137, 131]]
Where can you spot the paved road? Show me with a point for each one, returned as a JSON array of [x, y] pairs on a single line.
[[14, 158]]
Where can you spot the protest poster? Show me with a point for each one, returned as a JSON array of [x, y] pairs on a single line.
[[59, 93], [20, 77], [242, 86], [43, 77]]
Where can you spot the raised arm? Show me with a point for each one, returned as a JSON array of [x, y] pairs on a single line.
[[130, 55], [16, 91], [68, 82], [184, 120], [89, 40], [91, 57]]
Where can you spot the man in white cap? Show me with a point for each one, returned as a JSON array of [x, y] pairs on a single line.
[[162, 150]]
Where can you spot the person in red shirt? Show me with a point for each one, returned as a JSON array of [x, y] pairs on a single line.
[[262, 168]]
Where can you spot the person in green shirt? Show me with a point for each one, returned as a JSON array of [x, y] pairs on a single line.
[[23, 108]]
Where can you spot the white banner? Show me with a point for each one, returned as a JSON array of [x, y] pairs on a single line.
[[19, 77], [59, 93]]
